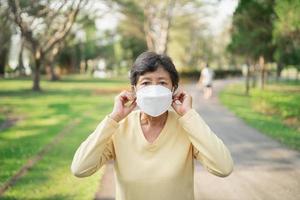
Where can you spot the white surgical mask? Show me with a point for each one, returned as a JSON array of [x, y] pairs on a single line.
[[154, 100]]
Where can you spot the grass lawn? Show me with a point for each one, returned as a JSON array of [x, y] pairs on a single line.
[[274, 111], [36, 119]]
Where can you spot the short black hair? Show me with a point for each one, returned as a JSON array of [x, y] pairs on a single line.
[[149, 62]]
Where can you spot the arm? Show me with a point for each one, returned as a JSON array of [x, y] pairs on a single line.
[[98, 148], [208, 148]]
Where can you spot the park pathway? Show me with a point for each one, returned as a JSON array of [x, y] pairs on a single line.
[[263, 168]]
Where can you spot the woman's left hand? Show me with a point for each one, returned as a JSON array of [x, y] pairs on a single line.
[[182, 102]]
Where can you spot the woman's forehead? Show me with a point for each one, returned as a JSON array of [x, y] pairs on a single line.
[[160, 73]]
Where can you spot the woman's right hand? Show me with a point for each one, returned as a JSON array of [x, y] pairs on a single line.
[[121, 109]]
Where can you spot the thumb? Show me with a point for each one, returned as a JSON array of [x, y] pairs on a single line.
[[174, 105], [132, 106]]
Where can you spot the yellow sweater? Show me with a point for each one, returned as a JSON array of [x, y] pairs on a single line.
[[162, 170]]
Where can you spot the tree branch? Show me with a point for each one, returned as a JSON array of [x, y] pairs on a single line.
[[61, 34]]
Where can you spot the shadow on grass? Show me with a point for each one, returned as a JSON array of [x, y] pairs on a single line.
[[71, 79], [87, 80], [30, 93], [62, 92], [54, 197]]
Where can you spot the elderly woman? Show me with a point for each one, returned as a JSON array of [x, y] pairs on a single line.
[[153, 147]]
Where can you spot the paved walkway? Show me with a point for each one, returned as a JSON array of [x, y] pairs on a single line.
[[264, 169]]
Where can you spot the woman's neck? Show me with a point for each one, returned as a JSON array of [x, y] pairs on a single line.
[[153, 121]]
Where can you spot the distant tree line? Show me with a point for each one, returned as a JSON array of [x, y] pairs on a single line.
[[63, 35], [264, 32]]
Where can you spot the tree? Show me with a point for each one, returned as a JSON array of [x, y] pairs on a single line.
[[155, 19], [43, 25], [252, 33], [158, 17], [5, 35], [131, 31], [286, 34], [187, 44]]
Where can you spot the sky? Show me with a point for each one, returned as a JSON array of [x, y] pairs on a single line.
[[223, 12]]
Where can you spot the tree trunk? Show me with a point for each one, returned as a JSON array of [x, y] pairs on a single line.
[[147, 29], [21, 68], [263, 71], [49, 65], [86, 65], [253, 75], [297, 74], [3, 59], [279, 69], [248, 78], [53, 75], [165, 28], [157, 25], [36, 74]]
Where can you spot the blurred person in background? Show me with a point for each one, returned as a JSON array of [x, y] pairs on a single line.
[[206, 81]]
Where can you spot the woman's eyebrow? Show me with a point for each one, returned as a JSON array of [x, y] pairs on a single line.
[[145, 78], [148, 78]]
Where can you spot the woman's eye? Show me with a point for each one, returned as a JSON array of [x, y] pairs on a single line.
[[145, 83], [162, 83]]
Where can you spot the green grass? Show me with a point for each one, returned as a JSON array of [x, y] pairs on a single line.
[[41, 117], [274, 111]]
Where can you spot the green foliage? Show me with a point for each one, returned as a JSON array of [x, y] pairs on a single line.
[[5, 35], [273, 111], [287, 32], [90, 46], [131, 30], [270, 28], [132, 47], [252, 29]]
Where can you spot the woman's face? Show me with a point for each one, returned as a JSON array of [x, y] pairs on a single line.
[[158, 77]]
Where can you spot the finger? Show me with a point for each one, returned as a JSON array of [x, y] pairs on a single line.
[[128, 102], [180, 92], [177, 102], [127, 95], [132, 105], [179, 97], [130, 95], [175, 105], [120, 96], [129, 108]]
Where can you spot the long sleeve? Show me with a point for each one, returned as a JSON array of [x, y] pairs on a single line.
[[208, 148], [95, 150]]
